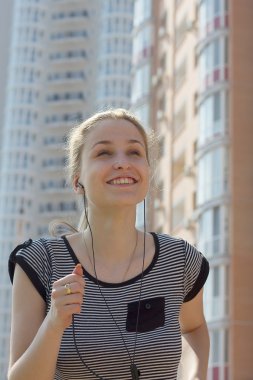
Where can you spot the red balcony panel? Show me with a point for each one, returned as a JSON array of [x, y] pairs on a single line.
[[215, 373], [216, 75], [226, 373], [145, 52], [217, 22], [226, 73], [226, 20]]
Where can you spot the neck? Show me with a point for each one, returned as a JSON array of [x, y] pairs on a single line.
[[114, 234]]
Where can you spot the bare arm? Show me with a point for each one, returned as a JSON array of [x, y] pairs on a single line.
[[195, 340], [35, 337]]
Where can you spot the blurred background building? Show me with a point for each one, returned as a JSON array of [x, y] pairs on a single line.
[[201, 108], [185, 69], [142, 35], [114, 54], [5, 37], [63, 65], [190, 112]]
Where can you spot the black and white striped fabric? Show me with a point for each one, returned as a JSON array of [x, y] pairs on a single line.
[[177, 273]]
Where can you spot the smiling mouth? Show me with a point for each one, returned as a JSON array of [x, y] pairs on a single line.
[[122, 181]]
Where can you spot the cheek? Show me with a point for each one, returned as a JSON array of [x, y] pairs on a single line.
[[94, 175]]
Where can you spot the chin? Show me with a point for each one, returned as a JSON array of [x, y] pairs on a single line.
[[127, 201]]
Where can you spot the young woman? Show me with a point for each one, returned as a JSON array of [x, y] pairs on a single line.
[[108, 301]]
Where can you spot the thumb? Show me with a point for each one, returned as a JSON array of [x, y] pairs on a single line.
[[78, 269]]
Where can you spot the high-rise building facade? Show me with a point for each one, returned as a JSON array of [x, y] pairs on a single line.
[[202, 86], [49, 89], [141, 72], [5, 38], [212, 160], [68, 59], [115, 54]]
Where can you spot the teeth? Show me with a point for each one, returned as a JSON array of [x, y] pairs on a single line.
[[121, 181]]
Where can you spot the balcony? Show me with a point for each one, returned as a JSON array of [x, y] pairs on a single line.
[[215, 76]]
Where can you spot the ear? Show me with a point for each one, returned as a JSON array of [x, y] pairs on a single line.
[[77, 186]]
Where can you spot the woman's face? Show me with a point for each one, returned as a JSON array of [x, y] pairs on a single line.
[[114, 165]]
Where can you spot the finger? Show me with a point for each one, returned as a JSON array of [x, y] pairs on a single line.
[[61, 302], [63, 310], [74, 308], [74, 299], [78, 270], [69, 279], [67, 289]]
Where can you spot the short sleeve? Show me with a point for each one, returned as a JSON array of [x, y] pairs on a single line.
[[196, 271], [33, 258]]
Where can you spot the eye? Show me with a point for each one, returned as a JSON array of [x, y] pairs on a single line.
[[104, 153], [135, 152]]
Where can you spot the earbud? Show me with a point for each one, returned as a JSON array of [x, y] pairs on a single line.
[[80, 185]]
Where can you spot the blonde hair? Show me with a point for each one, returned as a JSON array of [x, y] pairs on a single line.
[[76, 141]]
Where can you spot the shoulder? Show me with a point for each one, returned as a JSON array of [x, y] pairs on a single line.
[[38, 259], [169, 243], [33, 247], [181, 250], [166, 237], [28, 248], [179, 244], [34, 253]]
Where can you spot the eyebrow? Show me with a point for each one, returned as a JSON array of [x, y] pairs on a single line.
[[108, 142]]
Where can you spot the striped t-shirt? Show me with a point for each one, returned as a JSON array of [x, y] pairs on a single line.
[[176, 274]]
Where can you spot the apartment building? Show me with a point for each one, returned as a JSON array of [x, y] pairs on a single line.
[[62, 67], [202, 86], [115, 55], [143, 46], [5, 37]]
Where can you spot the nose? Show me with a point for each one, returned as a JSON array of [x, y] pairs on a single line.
[[121, 163]]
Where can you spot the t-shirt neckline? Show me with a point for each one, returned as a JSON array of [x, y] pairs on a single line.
[[116, 284]]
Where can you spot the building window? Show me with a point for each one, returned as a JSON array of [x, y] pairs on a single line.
[[213, 62], [216, 107], [219, 346], [67, 75], [141, 83], [142, 45], [212, 15], [69, 34], [65, 96], [212, 236], [216, 294], [71, 14], [142, 11], [216, 229], [66, 117], [213, 116], [71, 54], [211, 181]]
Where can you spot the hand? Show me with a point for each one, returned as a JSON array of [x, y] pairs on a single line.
[[64, 302]]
